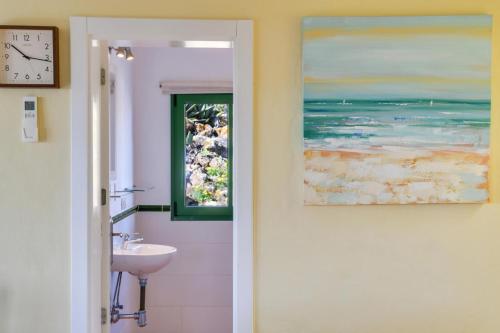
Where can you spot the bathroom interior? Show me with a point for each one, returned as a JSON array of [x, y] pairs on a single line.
[[193, 292]]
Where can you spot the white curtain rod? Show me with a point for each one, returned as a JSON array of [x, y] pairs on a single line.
[[191, 87]]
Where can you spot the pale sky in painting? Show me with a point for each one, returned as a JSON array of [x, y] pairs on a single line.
[[434, 57]]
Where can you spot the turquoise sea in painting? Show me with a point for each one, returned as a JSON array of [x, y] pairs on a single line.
[[363, 124], [396, 109]]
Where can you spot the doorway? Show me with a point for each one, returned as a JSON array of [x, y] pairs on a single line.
[[90, 242]]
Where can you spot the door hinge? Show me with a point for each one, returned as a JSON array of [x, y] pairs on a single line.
[[103, 76], [104, 195], [104, 316]]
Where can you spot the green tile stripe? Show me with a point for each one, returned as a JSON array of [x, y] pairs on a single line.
[[139, 208], [153, 208], [123, 215]]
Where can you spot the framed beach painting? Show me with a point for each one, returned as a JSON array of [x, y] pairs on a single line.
[[396, 109]]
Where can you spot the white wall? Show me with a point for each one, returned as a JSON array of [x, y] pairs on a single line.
[[193, 294], [121, 71]]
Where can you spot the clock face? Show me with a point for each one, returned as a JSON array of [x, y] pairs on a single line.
[[28, 57]]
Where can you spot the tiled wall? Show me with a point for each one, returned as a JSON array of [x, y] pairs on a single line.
[[193, 294]]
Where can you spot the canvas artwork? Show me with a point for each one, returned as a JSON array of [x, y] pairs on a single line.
[[396, 109]]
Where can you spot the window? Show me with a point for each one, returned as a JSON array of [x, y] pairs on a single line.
[[202, 157]]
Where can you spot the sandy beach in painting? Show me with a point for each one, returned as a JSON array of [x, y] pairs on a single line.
[[395, 177]]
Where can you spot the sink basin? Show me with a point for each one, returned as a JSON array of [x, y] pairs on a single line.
[[141, 259]]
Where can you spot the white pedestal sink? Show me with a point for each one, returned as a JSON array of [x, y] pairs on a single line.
[[141, 259]]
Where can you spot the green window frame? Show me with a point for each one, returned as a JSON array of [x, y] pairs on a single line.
[[180, 211]]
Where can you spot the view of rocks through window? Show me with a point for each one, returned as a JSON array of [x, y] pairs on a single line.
[[206, 134]]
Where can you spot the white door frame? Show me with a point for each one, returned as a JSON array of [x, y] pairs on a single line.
[[85, 261]]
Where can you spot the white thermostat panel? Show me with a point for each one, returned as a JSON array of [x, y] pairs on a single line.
[[30, 119]]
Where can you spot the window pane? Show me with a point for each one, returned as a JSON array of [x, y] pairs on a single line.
[[206, 156]]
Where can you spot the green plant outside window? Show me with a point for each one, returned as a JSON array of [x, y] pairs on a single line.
[[202, 157]]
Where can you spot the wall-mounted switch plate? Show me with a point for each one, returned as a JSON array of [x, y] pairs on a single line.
[[29, 131]]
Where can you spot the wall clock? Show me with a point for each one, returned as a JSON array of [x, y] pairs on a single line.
[[29, 57]]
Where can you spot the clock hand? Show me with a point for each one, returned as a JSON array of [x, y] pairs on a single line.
[[40, 59], [27, 56], [24, 55]]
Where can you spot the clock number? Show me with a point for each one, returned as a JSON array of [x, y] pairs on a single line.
[[14, 37], [46, 46], [7, 68], [47, 57], [47, 68], [7, 56], [27, 77], [16, 75], [7, 45], [38, 77], [38, 36], [26, 37]]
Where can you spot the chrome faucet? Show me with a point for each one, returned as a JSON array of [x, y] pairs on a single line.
[[134, 238], [127, 238]]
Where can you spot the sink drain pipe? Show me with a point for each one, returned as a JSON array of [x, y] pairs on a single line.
[[140, 315], [141, 320]]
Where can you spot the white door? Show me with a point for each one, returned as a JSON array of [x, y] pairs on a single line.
[[100, 271]]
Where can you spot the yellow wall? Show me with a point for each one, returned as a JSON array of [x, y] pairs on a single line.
[[385, 269]]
